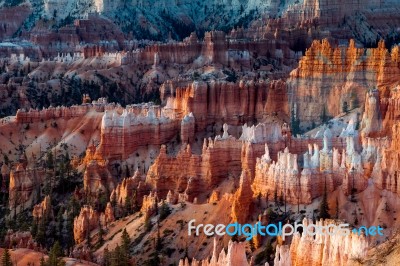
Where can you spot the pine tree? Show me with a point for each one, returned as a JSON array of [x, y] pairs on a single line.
[[60, 222], [55, 255], [107, 257], [324, 206], [295, 123], [41, 232], [128, 205], [164, 211], [147, 224], [127, 172], [115, 256], [126, 241], [50, 160], [135, 204], [34, 227], [6, 160], [345, 107], [324, 116], [158, 240], [6, 259]]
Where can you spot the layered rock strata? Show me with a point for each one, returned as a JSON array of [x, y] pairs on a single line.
[[321, 169], [341, 75]]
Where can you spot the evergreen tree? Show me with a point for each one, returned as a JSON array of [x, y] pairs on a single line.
[[252, 245], [158, 240], [128, 205], [60, 222], [135, 204], [147, 224], [6, 160], [324, 116], [164, 211], [55, 255], [6, 259], [34, 228], [127, 172], [295, 123], [107, 257], [345, 107], [68, 231], [119, 257], [324, 206], [41, 232], [115, 256], [50, 160], [126, 241]]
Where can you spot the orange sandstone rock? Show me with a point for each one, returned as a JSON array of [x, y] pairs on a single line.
[[87, 221]]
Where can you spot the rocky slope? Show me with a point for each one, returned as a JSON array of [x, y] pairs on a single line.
[[102, 130]]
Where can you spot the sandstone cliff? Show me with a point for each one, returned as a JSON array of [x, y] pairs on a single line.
[[87, 220], [342, 75]]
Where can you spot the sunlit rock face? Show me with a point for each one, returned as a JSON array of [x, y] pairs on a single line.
[[321, 250], [125, 189], [242, 199], [332, 79], [202, 172], [43, 210], [326, 168], [235, 256], [221, 157], [97, 178], [372, 118], [87, 220], [385, 168], [390, 109], [24, 187]]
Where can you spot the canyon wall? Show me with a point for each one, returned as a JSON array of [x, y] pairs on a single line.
[[222, 157], [24, 190], [328, 168], [121, 135], [233, 103], [331, 80]]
